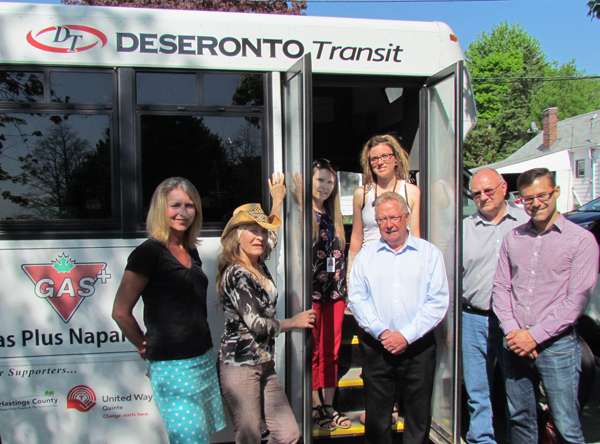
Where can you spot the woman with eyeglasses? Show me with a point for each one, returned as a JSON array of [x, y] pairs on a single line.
[[329, 293], [385, 168]]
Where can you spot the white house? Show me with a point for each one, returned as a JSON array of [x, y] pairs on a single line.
[[570, 148]]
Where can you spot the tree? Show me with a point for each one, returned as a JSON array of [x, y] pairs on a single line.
[[52, 167], [594, 9], [17, 86], [571, 97], [510, 54], [261, 6]]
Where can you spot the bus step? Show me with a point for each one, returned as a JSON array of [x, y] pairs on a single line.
[[356, 429]]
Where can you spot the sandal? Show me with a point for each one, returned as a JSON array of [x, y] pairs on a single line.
[[323, 420], [340, 420]]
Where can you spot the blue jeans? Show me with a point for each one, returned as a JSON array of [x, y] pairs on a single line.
[[481, 345], [557, 366]]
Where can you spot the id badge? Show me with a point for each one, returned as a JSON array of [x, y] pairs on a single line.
[[330, 264]]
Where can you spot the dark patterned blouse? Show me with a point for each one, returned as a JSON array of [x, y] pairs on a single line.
[[328, 286], [250, 324]]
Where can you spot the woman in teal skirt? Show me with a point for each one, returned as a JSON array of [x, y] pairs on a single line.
[[166, 272]]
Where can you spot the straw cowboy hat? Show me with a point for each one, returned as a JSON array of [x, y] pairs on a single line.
[[250, 214]]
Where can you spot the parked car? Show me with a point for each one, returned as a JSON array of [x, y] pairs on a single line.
[[588, 217], [514, 198]]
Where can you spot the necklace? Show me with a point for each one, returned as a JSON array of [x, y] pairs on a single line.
[[393, 189]]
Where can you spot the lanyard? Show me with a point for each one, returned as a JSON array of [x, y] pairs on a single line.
[[330, 233]]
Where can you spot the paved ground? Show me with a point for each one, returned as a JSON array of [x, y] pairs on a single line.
[[590, 418]]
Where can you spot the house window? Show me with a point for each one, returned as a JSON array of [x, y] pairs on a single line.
[[580, 168]]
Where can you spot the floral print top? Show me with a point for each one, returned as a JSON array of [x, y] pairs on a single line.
[[328, 286], [250, 324]]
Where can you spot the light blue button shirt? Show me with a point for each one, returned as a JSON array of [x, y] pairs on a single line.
[[405, 291]]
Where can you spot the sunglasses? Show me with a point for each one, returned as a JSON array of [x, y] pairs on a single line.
[[324, 163]]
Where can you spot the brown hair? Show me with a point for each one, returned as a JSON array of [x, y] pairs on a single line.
[[402, 168], [332, 203], [157, 222], [528, 177]]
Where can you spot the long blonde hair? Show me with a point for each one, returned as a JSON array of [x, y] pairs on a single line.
[[231, 255], [332, 204], [402, 168], [157, 222]]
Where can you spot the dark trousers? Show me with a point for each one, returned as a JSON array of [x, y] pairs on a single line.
[[413, 371]]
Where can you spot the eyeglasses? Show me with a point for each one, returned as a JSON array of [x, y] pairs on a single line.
[[385, 157], [324, 163], [542, 197], [392, 219], [488, 192]]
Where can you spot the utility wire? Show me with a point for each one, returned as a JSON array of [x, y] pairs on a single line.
[[517, 79]]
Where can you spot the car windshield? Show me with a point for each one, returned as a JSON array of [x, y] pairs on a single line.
[[590, 206]]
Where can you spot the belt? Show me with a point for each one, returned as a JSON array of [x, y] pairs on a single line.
[[467, 308], [567, 332]]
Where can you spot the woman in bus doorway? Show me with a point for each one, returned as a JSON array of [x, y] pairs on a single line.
[[166, 271], [329, 293], [385, 168], [249, 299]]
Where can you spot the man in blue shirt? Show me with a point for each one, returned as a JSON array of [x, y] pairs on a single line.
[[398, 293]]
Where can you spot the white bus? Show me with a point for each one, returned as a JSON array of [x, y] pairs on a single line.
[[98, 105]]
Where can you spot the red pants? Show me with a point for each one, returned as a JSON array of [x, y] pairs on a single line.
[[327, 337]]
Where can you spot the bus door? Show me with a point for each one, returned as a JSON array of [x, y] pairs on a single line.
[[446, 116], [297, 159]]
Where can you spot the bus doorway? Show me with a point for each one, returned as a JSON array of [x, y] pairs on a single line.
[[347, 112]]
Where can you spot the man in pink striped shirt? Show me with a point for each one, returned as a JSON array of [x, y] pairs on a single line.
[[543, 282]]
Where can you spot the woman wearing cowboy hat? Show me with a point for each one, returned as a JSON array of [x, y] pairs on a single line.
[[249, 298]]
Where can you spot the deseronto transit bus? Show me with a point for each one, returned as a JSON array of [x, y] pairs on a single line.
[[98, 105]]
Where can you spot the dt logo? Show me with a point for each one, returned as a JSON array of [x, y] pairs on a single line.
[[65, 283], [66, 38], [81, 398]]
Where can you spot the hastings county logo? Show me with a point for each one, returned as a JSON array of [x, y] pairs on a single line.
[[65, 284], [66, 38], [81, 398]]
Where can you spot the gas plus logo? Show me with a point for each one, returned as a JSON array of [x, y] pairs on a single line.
[[66, 38], [81, 398], [65, 284]]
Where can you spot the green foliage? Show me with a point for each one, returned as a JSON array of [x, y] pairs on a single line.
[[571, 97], [514, 93], [594, 9], [503, 106]]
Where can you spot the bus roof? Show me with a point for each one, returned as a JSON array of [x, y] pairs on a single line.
[[159, 38]]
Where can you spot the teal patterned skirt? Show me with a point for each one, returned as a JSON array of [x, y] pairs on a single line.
[[188, 397]]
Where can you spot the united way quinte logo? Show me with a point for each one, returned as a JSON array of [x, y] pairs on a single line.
[[65, 284], [81, 398], [67, 38]]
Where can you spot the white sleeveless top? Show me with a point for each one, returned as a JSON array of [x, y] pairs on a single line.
[[370, 227]]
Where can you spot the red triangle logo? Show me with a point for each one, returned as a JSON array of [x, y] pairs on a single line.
[[64, 283]]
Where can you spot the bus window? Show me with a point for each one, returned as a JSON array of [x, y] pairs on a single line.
[[233, 89], [222, 156], [74, 87], [62, 163], [161, 88]]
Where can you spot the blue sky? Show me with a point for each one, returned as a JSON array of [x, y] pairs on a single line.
[[562, 26]]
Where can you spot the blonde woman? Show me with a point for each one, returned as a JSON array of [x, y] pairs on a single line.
[[166, 272], [249, 299]]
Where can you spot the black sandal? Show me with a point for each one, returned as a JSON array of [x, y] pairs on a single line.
[[340, 420], [323, 420]]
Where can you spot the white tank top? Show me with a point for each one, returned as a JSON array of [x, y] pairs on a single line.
[[370, 227]]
